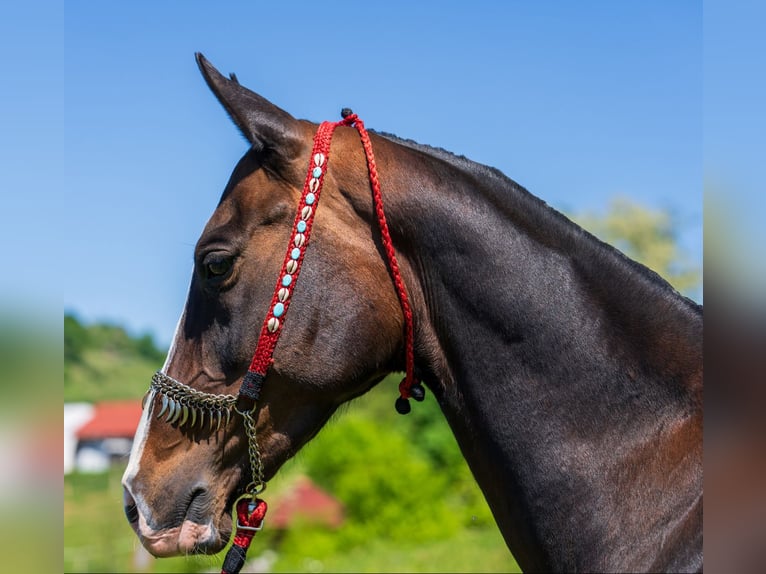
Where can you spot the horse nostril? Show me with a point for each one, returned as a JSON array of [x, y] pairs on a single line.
[[131, 511], [130, 507]]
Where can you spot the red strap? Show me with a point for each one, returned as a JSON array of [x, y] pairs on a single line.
[[409, 359], [299, 239], [250, 514], [296, 249], [249, 521]]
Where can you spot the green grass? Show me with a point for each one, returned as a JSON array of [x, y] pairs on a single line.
[[97, 538], [107, 375], [472, 550]]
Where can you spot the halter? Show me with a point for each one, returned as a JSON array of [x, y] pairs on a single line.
[[182, 405]]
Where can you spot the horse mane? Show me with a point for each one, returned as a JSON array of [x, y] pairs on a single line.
[[565, 228]]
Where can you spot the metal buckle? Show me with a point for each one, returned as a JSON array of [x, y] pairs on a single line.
[[251, 528], [250, 507]]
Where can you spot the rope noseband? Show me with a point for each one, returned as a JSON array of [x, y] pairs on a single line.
[[184, 405]]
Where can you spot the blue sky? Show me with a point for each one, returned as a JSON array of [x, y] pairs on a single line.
[[735, 147], [576, 101]]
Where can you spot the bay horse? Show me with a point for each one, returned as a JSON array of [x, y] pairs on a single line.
[[570, 375]]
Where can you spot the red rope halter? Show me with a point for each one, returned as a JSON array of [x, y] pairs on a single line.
[[293, 261], [251, 512]]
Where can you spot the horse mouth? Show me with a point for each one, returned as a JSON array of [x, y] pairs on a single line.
[[196, 534]]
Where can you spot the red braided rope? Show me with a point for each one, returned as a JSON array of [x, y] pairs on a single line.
[[409, 358], [264, 351], [248, 519]]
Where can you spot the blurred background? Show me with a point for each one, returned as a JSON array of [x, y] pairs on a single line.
[[114, 154]]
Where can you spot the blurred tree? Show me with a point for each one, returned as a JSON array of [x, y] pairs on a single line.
[[103, 361], [647, 235], [107, 337], [435, 440], [388, 487], [145, 346]]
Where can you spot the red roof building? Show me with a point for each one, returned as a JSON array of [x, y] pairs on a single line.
[[118, 419], [306, 502]]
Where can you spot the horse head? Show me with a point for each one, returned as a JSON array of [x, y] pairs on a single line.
[[344, 333]]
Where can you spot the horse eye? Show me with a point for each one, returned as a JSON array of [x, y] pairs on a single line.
[[217, 265]]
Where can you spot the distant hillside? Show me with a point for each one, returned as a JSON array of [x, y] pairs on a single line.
[[104, 362]]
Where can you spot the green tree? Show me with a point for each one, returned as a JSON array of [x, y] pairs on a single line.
[[387, 486], [146, 348], [103, 361], [650, 236]]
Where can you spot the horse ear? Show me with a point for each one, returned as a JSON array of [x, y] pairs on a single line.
[[264, 125]]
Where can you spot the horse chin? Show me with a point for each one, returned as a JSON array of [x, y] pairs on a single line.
[[188, 538]]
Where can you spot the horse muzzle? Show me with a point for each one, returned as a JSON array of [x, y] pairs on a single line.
[[195, 534]]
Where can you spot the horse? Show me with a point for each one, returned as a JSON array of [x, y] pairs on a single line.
[[570, 375]]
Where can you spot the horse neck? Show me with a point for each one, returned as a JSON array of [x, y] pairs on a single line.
[[562, 367]]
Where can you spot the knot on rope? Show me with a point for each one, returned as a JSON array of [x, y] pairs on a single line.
[[250, 514], [408, 388], [350, 119]]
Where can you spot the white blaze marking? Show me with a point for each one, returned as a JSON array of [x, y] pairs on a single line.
[[142, 432], [139, 440], [172, 350]]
